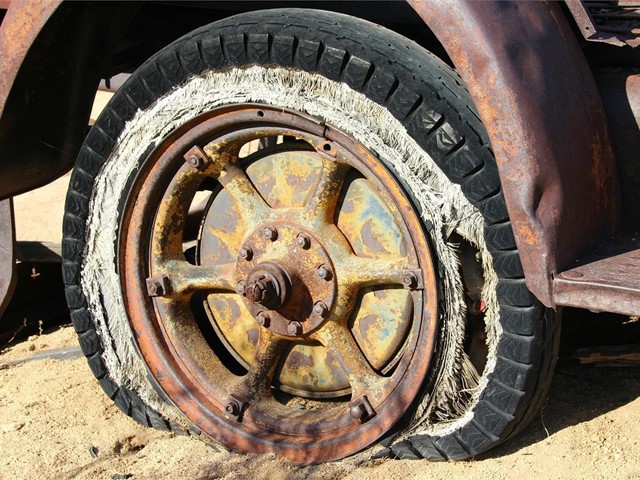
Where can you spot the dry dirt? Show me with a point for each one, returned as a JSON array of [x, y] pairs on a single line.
[[56, 423], [53, 415]]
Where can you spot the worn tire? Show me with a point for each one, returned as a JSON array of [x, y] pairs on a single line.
[[428, 100]]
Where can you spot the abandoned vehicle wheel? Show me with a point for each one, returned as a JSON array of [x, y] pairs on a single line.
[[291, 237], [319, 295]]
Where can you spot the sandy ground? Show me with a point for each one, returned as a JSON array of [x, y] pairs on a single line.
[[56, 423], [53, 416]]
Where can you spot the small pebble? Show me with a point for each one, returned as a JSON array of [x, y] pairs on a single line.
[[93, 451], [11, 427]]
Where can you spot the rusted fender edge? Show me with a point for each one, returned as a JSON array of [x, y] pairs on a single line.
[[44, 117], [537, 98], [20, 27]]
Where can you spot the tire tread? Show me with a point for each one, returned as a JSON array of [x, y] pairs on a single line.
[[437, 112]]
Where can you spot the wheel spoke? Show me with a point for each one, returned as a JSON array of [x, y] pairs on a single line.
[[187, 278], [359, 272], [325, 197], [252, 207], [340, 342], [172, 213], [257, 382]]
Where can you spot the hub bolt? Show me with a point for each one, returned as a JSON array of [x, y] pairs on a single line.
[[245, 253], [241, 288], [263, 319], [294, 328], [320, 309], [324, 272], [303, 240], [270, 233]]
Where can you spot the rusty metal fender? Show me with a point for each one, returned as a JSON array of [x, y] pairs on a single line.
[[534, 92], [20, 27], [23, 22], [53, 54]]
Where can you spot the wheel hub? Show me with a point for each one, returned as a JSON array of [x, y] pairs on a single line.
[[267, 285], [287, 281]]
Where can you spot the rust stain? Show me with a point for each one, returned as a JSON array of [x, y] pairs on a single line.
[[536, 96], [20, 27]]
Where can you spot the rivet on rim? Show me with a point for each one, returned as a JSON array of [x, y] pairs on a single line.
[[158, 287], [361, 409], [270, 233]]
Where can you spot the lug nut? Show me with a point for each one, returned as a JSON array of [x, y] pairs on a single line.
[[195, 162], [232, 409], [412, 279], [235, 408], [270, 233], [263, 319], [154, 289], [241, 288], [196, 158], [158, 287], [361, 409], [324, 272], [294, 328], [245, 253], [320, 309], [356, 411], [303, 241], [409, 280]]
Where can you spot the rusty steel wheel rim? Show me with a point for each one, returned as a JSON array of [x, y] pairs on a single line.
[[316, 285]]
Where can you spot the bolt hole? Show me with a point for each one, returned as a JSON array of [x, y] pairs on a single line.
[[260, 113], [327, 147]]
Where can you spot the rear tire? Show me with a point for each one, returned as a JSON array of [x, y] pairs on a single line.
[[397, 101]]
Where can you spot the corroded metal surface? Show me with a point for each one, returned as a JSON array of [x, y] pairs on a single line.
[[537, 99], [45, 103], [315, 275], [7, 255], [607, 280], [615, 23], [20, 27], [620, 93]]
